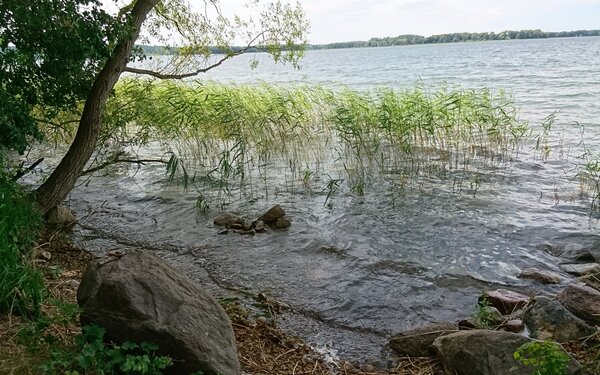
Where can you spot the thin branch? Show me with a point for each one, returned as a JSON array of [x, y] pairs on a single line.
[[23, 172], [115, 161], [198, 71]]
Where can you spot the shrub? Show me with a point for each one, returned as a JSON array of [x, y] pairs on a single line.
[[546, 357]]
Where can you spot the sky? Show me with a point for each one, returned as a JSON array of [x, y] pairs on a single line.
[[345, 20]]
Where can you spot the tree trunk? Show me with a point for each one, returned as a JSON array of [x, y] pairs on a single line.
[[62, 180]]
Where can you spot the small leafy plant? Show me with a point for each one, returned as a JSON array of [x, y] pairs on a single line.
[[93, 356], [546, 357]]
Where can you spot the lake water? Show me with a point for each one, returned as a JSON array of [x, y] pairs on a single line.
[[364, 268]]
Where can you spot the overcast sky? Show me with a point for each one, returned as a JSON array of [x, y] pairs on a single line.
[[344, 20]]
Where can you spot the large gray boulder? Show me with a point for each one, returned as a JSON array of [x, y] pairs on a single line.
[[582, 301], [139, 297], [418, 342], [483, 352], [548, 319]]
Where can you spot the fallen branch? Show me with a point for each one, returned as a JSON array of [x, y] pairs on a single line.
[[115, 161]]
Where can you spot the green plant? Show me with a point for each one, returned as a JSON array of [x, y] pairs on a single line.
[[92, 356], [485, 315], [21, 285], [546, 357]]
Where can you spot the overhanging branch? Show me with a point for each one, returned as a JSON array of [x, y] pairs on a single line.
[[115, 161]]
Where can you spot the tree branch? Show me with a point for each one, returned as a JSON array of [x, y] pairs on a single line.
[[23, 172], [115, 161], [160, 75]]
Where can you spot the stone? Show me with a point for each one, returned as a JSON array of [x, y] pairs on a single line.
[[274, 213], [551, 249], [514, 325], [281, 223], [543, 276], [418, 342], [139, 297], [579, 255], [227, 220], [259, 226], [467, 324], [506, 301], [44, 255], [548, 319], [580, 269], [484, 352], [60, 216], [582, 301]]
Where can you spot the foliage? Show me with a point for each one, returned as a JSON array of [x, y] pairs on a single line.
[[546, 357], [93, 356], [50, 53], [21, 285], [483, 314]]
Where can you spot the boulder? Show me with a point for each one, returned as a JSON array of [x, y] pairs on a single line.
[[514, 325], [274, 213], [506, 301], [548, 319], [483, 352], [227, 220], [139, 297], [418, 342], [60, 216], [581, 269], [582, 301], [281, 223], [543, 276], [579, 255]]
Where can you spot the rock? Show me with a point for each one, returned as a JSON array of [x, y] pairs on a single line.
[[543, 276], [44, 255], [139, 297], [582, 301], [418, 342], [551, 249], [227, 220], [60, 216], [223, 231], [274, 213], [514, 325], [581, 269], [548, 319], [506, 301], [259, 226], [483, 352], [467, 324], [281, 223], [579, 255]]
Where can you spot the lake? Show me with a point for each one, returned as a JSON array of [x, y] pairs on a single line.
[[363, 268]]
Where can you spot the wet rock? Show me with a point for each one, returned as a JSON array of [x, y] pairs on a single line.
[[581, 269], [543, 276], [582, 301], [514, 325], [551, 249], [60, 216], [259, 226], [223, 231], [250, 232], [227, 220], [281, 223], [467, 324], [139, 296], [506, 301], [274, 213], [548, 319], [579, 255], [483, 352], [418, 342]]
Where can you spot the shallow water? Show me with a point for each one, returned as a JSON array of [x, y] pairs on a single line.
[[362, 268]]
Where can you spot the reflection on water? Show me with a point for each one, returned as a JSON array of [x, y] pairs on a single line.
[[357, 268]]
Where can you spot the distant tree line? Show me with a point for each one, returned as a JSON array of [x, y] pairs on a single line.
[[403, 40], [409, 39]]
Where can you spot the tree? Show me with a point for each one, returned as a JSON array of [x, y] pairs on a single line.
[[280, 30]]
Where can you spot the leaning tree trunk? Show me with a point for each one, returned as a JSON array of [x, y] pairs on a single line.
[[62, 180]]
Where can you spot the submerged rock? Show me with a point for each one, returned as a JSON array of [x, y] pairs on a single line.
[[484, 352], [227, 220], [281, 223], [582, 301], [548, 319], [543, 276], [506, 301], [418, 342], [581, 269], [139, 297]]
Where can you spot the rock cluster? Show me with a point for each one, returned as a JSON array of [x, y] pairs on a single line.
[[273, 218]]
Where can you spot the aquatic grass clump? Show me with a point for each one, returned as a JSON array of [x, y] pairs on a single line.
[[230, 134]]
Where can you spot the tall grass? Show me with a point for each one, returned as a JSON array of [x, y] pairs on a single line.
[[21, 285], [227, 134]]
